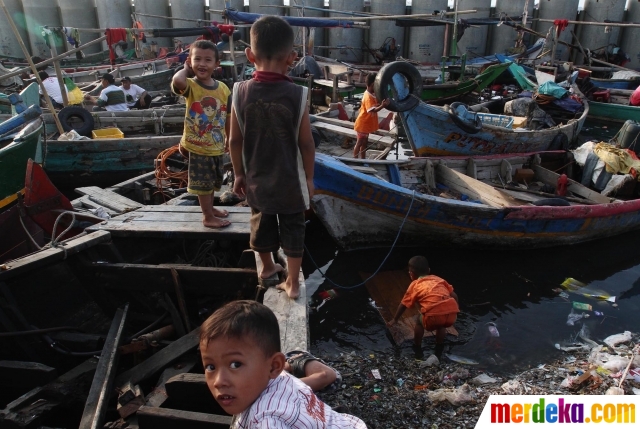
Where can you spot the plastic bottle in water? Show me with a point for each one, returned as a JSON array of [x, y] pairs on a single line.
[[493, 329]]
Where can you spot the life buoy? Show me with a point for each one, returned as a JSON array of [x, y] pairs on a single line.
[[76, 118], [464, 125], [384, 81]]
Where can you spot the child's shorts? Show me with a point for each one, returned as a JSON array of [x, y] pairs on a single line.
[[431, 323], [362, 135], [205, 174], [270, 231]]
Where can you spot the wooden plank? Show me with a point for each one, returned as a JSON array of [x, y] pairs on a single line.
[[474, 189], [346, 124], [348, 132], [200, 281], [551, 178], [292, 316], [342, 86], [190, 209], [235, 231], [195, 217], [400, 162], [158, 395], [85, 202], [48, 256], [159, 360], [365, 170], [166, 418], [109, 199], [387, 289], [25, 375]]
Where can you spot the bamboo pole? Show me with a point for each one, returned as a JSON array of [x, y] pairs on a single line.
[[368, 18], [602, 24], [51, 60], [33, 67], [56, 66]]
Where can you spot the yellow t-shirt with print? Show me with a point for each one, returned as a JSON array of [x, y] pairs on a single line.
[[205, 116]]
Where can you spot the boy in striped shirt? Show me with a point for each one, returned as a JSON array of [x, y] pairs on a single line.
[[244, 369]]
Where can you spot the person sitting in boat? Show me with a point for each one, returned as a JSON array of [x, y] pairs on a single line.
[[137, 97], [367, 120], [437, 300], [634, 100], [52, 86], [244, 370], [111, 98]]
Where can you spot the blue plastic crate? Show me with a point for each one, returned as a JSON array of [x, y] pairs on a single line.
[[497, 120]]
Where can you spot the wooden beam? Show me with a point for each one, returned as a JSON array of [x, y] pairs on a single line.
[[349, 132], [25, 375], [159, 395], [190, 392], [551, 178], [109, 199], [165, 418]]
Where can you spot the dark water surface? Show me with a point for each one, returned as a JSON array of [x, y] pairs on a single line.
[[513, 289]]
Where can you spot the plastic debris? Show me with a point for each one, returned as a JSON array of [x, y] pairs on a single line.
[[564, 295], [461, 359], [635, 391], [459, 396], [614, 340], [493, 329], [400, 382], [614, 390], [573, 317], [512, 387], [580, 288], [431, 361], [482, 379], [376, 374], [582, 306]]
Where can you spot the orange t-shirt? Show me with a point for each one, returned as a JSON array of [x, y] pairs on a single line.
[[433, 294], [367, 122]]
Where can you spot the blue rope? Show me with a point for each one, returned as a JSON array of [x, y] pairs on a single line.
[[413, 196]]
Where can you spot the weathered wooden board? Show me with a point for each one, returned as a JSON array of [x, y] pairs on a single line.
[[176, 222], [551, 178], [349, 132], [387, 289], [109, 199], [347, 124]]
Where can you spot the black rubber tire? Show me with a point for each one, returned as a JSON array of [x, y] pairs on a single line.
[[555, 202], [385, 78], [76, 113], [464, 126]]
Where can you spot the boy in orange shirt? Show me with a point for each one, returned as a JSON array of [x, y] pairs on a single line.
[[367, 120], [438, 303]]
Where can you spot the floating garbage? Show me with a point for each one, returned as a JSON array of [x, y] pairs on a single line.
[[614, 340], [580, 288], [582, 306], [456, 397], [328, 294], [493, 329], [431, 361], [461, 359], [483, 379], [376, 374], [573, 317]]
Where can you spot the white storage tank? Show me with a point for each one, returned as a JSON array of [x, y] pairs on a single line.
[[631, 36], [154, 7], [595, 36], [382, 30], [191, 9], [37, 14], [474, 40], [81, 14], [558, 9], [504, 37], [349, 38], [427, 43], [114, 14], [8, 43]]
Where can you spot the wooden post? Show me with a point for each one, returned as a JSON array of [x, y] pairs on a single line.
[[231, 45], [555, 44], [33, 67], [56, 65]]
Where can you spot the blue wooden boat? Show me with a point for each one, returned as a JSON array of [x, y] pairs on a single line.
[[461, 201], [616, 83], [455, 129]]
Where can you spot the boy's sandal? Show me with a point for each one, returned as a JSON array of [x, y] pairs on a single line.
[[298, 359]]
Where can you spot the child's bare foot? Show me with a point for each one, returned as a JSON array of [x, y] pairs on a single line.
[[215, 223], [220, 212], [291, 287], [277, 268]]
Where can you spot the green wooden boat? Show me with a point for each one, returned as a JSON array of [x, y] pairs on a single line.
[[617, 109], [13, 160]]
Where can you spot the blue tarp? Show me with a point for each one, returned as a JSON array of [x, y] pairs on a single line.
[[250, 18]]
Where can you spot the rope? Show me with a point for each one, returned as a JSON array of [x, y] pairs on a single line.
[[413, 197], [28, 234], [55, 240], [164, 173], [543, 99]]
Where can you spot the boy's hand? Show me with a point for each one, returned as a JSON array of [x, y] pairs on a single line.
[[187, 67], [391, 322], [239, 185], [226, 145], [311, 188], [385, 102]]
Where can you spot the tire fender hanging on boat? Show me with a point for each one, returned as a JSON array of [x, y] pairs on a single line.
[[384, 83], [76, 118], [471, 126]]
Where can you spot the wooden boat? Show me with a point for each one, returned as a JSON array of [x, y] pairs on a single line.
[[150, 81], [434, 130], [462, 201], [617, 109]]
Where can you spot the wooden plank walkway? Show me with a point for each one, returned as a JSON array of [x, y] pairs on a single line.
[[176, 222], [387, 289], [109, 199]]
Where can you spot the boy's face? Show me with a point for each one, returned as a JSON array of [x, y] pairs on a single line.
[[203, 62], [237, 371]]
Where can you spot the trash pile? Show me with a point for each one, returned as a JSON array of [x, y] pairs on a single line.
[[387, 391]]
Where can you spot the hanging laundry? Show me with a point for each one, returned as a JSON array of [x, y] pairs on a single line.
[[141, 35], [114, 35]]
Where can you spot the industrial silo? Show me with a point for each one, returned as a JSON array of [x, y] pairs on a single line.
[[8, 43], [346, 43], [113, 14], [427, 43], [504, 37], [190, 9], [81, 14], [594, 37], [474, 40], [38, 14], [558, 9], [382, 31], [256, 6], [154, 7], [630, 36]]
